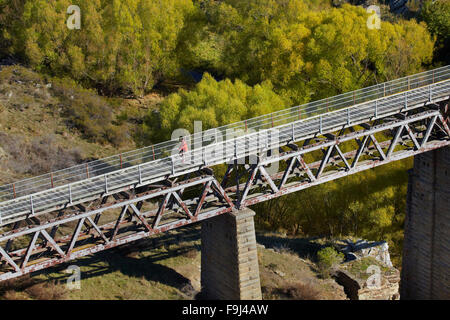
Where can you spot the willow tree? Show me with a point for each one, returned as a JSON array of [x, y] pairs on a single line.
[[214, 103], [122, 45], [306, 53]]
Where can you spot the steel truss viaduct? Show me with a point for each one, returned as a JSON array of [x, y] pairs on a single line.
[[94, 211]]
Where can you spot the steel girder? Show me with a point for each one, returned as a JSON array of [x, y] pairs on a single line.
[[131, 215]]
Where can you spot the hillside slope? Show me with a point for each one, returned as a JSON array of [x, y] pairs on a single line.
[[168, 267], [47, 124]]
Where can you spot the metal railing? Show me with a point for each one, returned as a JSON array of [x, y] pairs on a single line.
[[155, 162]]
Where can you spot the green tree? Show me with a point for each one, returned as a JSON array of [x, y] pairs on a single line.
[[436, 14], [306, 53], [327, 258], [215, 103], [123, 46]]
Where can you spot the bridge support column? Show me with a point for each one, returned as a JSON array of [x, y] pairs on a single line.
[[229, 262], [426, 248]]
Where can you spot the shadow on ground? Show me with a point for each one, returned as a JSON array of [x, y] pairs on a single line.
[[305, 248], [125, 259]]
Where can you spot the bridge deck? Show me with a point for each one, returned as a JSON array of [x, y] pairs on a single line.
[[94, 180]]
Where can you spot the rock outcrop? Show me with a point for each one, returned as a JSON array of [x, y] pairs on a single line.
[[368, 273], [362, 248], [369, 289]]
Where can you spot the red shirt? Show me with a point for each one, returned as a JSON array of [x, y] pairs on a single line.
[[184, 146]]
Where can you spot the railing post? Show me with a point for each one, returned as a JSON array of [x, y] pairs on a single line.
[[348, 116], [106, 183], [153, 149], [121, 161], [51, 178], [293, 132], [173, 165], [70, 193], [87, 170], [14, 190], [203, 156], [320, 124], [31, 203], [140, 174], [430, 98], [376, 108]]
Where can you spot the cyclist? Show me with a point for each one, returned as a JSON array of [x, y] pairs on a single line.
[[183, 147]]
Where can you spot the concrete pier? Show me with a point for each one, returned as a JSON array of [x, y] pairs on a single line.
[[426, 248], [229, 261]]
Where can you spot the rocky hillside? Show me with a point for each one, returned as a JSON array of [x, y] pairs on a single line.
[[47, 124], [168, 267]]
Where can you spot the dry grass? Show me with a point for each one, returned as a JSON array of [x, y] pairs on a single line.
[[28, 288], [191, 253], [12, 295], [16, 284], [300, 291], [46, 291]]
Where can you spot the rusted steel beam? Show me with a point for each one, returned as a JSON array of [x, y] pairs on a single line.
[[100, 247], [377, 146], [253, 172], [140, 217], [119, 220], [75, 236], [342, 156], [52, 242], [29, 250], [325, 161], [428, 132], [395, 140], [340, 174], [411, 135], [9, 260], [287, 172], [182, 204], [205, 191], [161, 209], [268, 179]]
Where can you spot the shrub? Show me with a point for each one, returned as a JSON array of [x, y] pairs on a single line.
[[214, 103], [46, 291], [12, 295], [300, 291], [91, 114], [327, 259], [41, 155]]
